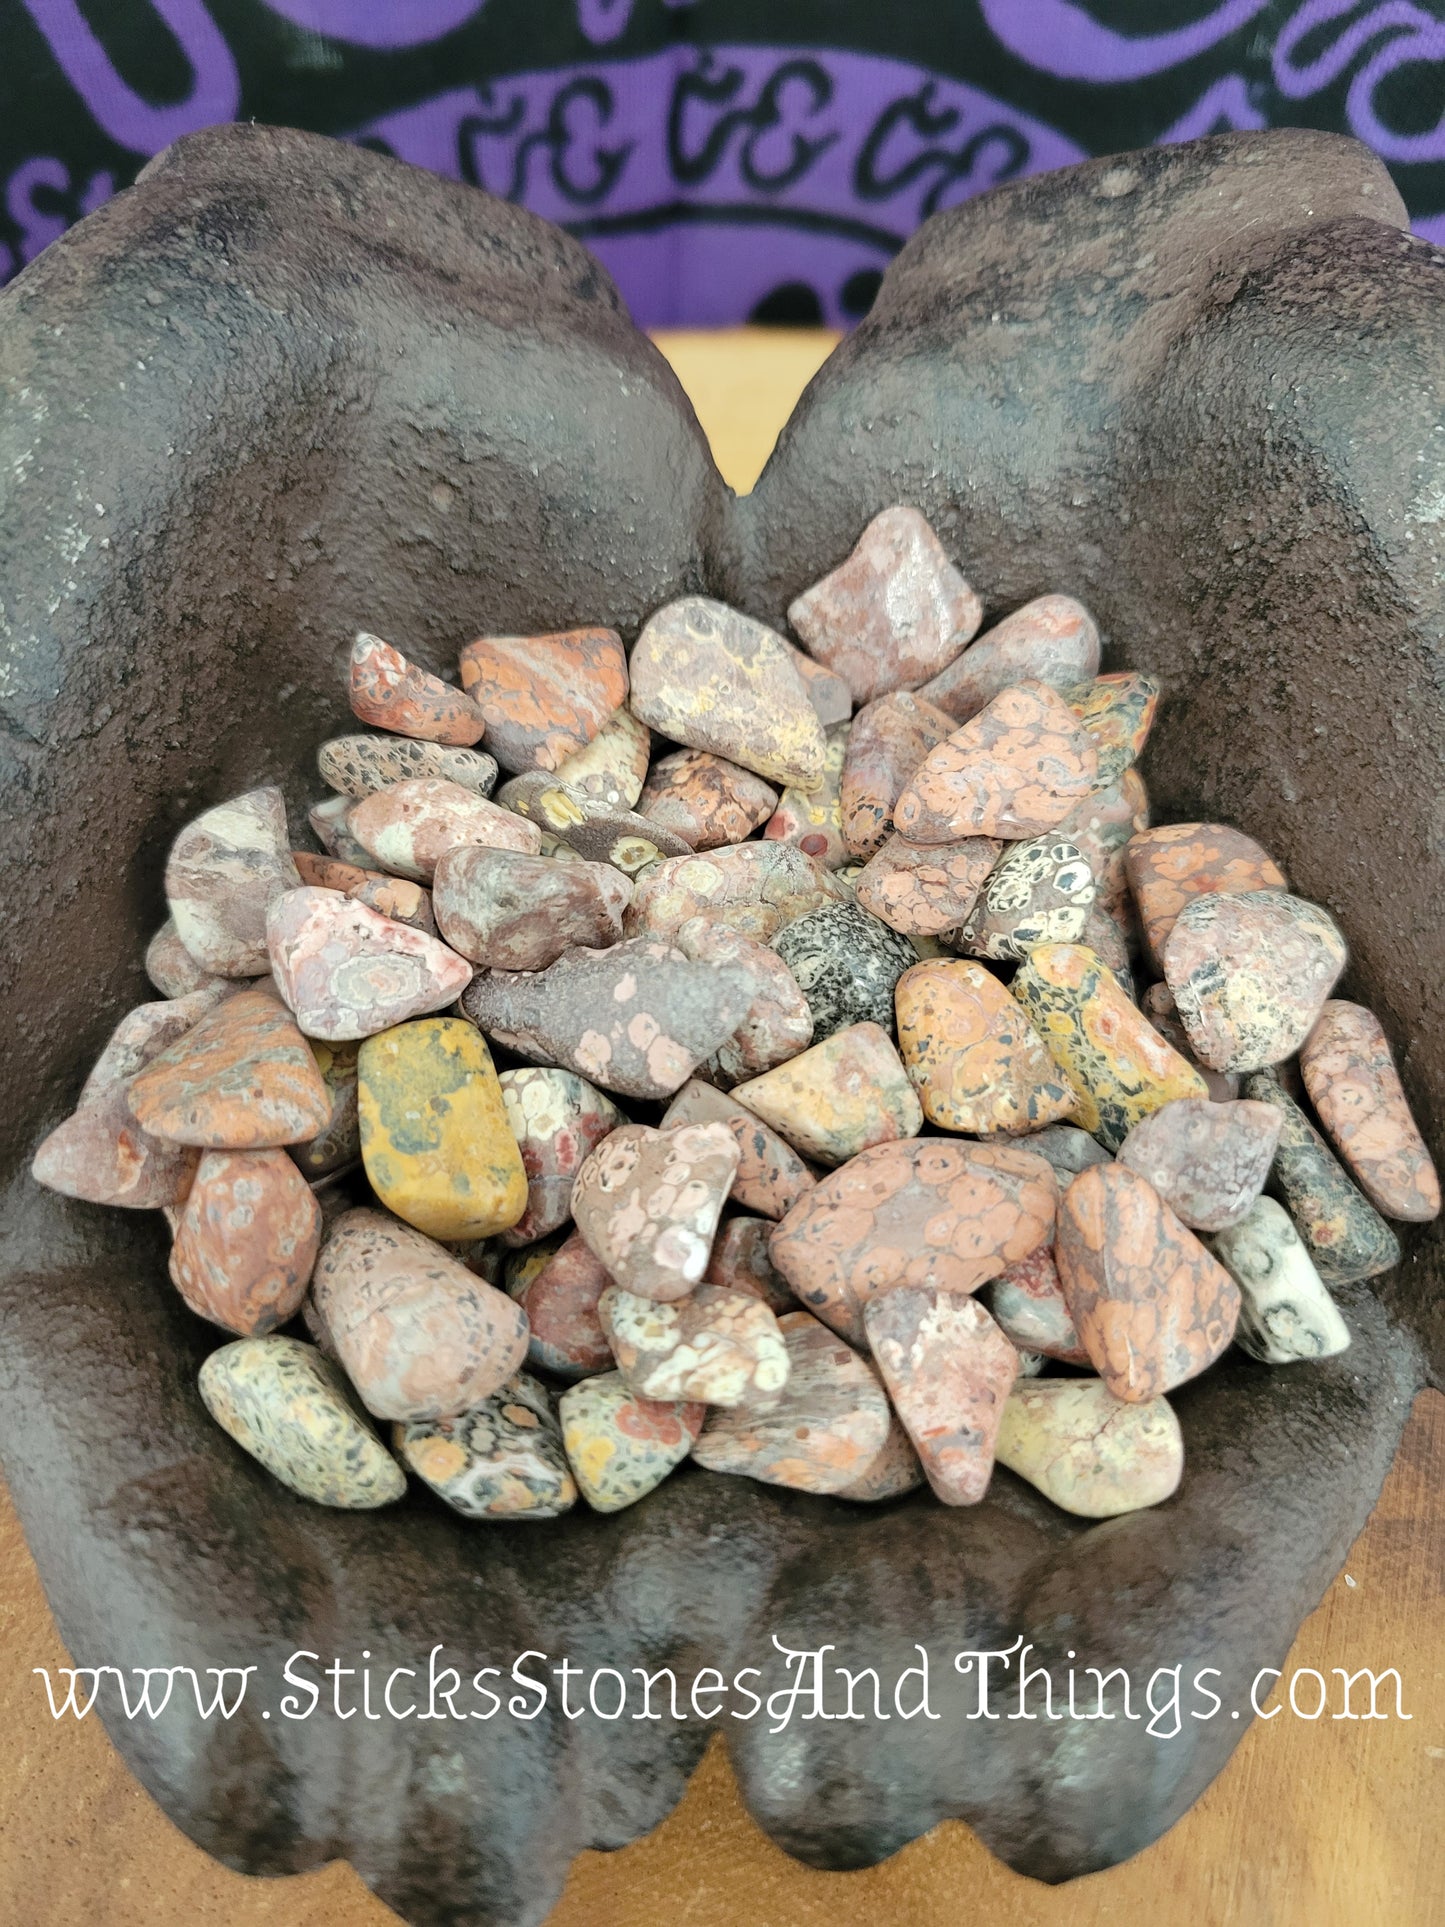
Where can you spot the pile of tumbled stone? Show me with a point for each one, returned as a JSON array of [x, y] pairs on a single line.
[[835, 1147]]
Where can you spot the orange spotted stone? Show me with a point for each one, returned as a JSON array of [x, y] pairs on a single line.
[[1016, 770], [1052, 640], [1118, 712], [246, 1241], [820, 1434], [740, 1262], [976, 1061], [754, 888], [931, 1212], [1170, 866], [1150, 1304], [705, 799], [1028, 1304], [813, 818], [887, 742], [409, 827], [243, 1079], [389, 692], [390, 897], [894, 1471], [893, 613], [648, 1203], [779, 1022], [557, 1118], [326, 873], [835, 1100], [558, 1286], [948, 1369], [1356, 1091], [923, 889], [1100, 829], [545, 698], [770, 1177]]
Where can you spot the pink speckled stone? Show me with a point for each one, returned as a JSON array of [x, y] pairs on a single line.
[[348, 972], [557, 1119], [648, 1203], [948, 1369], [246, 1241], [409, 826]]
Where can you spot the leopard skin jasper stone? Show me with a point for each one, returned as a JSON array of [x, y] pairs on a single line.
[[171, 967], [813, 818], [1086, 1451], [331, 825], [948, 1369], [1100, 829], [770, 1177], [740, 1261], [717, 1346], [287, 1406], [922, 890], [326, 873], [846, 963], [820, 1434], [1118, 712], [648, 1203], [503, 1459], [1118, 1063], [241, 1079], [597, 832], [830, 696], [1109, 943], [893, 1470], [394, 897], [419, 1334], [1345, 1236], [545, 697], [621, 1447], [1250, 975], [1151, 1306], [1169, 866], [224, 870], [835, 1100], [356, 766], [434, 1134], [507, 911], [1207, 1161], [778, 1023], [893, 613], [1028, 1305], [389, 692], [1038, 892], [246, 1241], [557, 1118], [637, 1019], [887, 742], [931, 1212], [1052, 640], [755, 888], [346, 971], [1016, 770], [612, 768], [709, 677], [337, 1144], [1285, 1312], [705, 799], [558, 1284], [408, 827], [974, 1059], [1066, 1150], [1157, 1004], [1356, 1091]]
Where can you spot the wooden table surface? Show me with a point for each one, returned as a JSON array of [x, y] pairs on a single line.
[[1335, 1824]]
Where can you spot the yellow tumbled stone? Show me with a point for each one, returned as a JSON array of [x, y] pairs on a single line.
[[434, 1133], [1118, 1063]]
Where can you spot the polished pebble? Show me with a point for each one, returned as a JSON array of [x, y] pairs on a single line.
[[408, 827], [1087, 1452], [545, 697], [621, 1447], [1250, 975], [893, 1470], [717, 1346], [347, 972], [888, 740], [595, 831], [1066, 1149], [846, 963], [1016, 770], [224, 870], [705, 799], [754, 888], [502, 1459], [507, 911], [612, 768], [171, 967], [924, 889], [337, 1145], [1028, 1305], [241, 1079], [356, 766], [972, 1055], [1038, 892], [1157, 1004], [389, 692], [830, 696], [1208, 1162], [1052, 640], [331, 824], [1100, 828], [557, 1118], [558, 1284], [770, 1177], [779, 1022], [1118, 712], [1355, 1088], [740, 1261], [812, 819], [648, 1203], [838, 1098], [246, 1241], [1285, 1312], [948, 1369], [1169, 866]]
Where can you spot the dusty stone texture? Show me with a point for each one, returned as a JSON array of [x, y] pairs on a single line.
[[838, 1098], [637, 1019], [544, 698], [557, 1118], [779, 1022], [171, 967], [612, 768], [558, 1284], [1100, 829], [976, 1062], [893, 613], [754, 888], [1356, 1091], [1029, 1307], [357, 766], [246, 1241], [242, 1078], [1169, 866], [391, 693], [1157, 1004], [1250, 975], [948, 1369], [705, 799], [888, 740], [1150, 1304], [821, 1433], [813, 819], [770, 1177], [710, 677], [502, 1459], [741, 1261], [1016, 770], [507, 911], [1207, 1161], [1087, 1451], [923, 890], [409, 826], [1118, 712], [1038, 892], [419, 1335], [346, 971], [620, 1446], [717, 1346], [1111, 1054], [648, 1203], [1345, 1235], [1285, 1312], [928, 1213], [846, 963], [1052, 639], [224, 871]]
